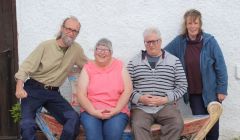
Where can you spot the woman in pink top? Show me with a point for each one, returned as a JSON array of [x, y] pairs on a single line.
[[104, 88]]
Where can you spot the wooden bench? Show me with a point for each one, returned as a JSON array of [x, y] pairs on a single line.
[[195, 127]]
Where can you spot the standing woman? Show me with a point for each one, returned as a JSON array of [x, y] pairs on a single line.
[[204, 65], [104, 89]]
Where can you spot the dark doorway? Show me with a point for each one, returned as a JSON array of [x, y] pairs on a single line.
[[8, 67]]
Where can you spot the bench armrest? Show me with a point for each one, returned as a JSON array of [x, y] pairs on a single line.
[[215, 111]]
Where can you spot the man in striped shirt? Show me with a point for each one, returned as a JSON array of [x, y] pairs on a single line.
[[158, 82]]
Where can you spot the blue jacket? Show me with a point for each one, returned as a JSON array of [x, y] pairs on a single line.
[[212, 65]]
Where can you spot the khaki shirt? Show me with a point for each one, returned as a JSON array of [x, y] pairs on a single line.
[[49, 64]]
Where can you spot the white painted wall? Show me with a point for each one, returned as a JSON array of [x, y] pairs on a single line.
[[123, 23]]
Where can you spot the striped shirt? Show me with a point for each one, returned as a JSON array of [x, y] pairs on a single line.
[[166, 79]]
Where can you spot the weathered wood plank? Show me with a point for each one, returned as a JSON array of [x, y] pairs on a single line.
[[195, 127]]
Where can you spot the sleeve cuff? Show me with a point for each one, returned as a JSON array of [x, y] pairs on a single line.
[[170, 96], [136, 98]]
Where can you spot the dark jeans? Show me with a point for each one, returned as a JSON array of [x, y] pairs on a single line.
[[55, 104], [198, 108]]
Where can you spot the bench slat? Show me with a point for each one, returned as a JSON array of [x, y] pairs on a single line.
[[195, 125]]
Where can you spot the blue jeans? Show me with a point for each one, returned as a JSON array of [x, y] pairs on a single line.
[[198, 108], [98, 129], [55, 104]]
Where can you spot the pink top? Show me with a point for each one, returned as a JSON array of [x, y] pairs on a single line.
[[105, 85]]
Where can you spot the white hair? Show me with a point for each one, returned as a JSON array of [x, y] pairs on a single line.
[[151, 30]]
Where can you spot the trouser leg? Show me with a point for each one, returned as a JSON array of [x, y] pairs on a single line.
[[141, 124], [171, 121], [113, 128], [92, 126], [65, 114], [29, 107]]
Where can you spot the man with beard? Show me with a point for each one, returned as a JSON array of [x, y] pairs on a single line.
[[40, 76]]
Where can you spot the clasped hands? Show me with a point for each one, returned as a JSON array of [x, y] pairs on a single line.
[[105, 113], [151, 100]]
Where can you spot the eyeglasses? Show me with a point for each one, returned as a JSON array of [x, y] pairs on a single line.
[[71, 30], [99, 50], [153, 42]]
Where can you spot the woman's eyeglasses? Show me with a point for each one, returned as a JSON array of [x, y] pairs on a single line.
[[100, 50]]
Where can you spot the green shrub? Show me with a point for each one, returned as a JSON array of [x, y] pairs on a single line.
[[16, 112]]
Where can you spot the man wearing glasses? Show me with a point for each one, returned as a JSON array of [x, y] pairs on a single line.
[[158, 82], [40, 76]]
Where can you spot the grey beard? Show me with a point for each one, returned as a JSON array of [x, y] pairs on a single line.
[[67, 40]]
